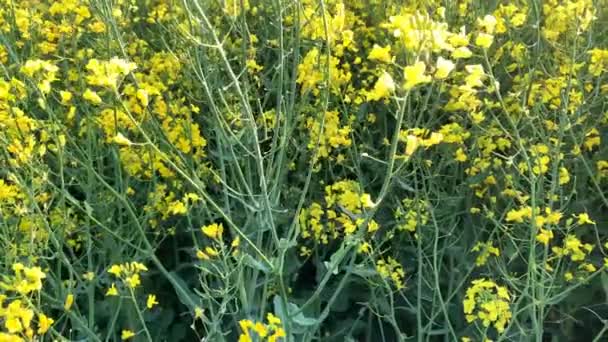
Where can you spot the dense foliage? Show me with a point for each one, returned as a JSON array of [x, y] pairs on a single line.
[[303, 170]]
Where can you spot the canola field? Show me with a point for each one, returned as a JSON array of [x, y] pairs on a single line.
[[303, 170]]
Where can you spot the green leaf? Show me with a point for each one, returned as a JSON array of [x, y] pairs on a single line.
[[255, 264], [301, 322], [184, 294]]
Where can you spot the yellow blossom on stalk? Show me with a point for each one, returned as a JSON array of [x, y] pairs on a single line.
[[383, 88], [484, 40], [129, 273], [198, 312], [443, 68], [518, 215], [66, 97], [112, 291], [69, 301], [42, 71], [592, 139], [583, 218], [151, 301], [544, 236], [133, 280], [25, 280], [552, 217], [17, 317], [564, 176], [487, 23], [411, 144], [143, 97], [391, 269], [462, 52], [212, 252], [108, 73], [272, 319], [475, 76], [485, 249], [414, 75], [213, 230], [202, 255], [177, 208], [459, 155], [260, 329], [253, 66], [120, 139], [278, 333], [487, 302], [589, 267], [333, 135], [44, 323], [126, 334], [364, 247], [380, 54], [599, 61], [91, 96]]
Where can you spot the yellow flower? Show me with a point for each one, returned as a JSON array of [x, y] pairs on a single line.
[[112, 291], [91, 96], [380, 54], [278, 333], [44, 323], [151, 301], [484, 40], [544, 236], [583, 218], [66, 97], [212, 252], [202, 255], [383, 88], [443, 68], [115, 270], [488, 23], [475, 75], [126, 334], [459, 155], [412, 143], [462, 52], [414, 75], [142, 96], [133, 281], [272, 319], [120, 139], [564, 176], [69, 300], [198, 312], [244, 337], [260, 329], [213, 230]]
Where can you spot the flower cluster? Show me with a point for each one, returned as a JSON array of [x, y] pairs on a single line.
[[272, 331], [340, 216], [489, 303], [22, 320]]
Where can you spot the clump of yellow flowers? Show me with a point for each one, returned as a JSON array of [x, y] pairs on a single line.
[[340, 215], [21, 319], [488, 303], [129, 273], [272, 331]]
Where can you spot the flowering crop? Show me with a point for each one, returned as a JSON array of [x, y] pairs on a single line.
[[305, 170]]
